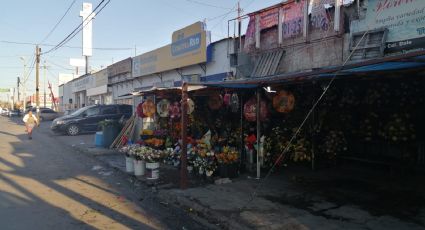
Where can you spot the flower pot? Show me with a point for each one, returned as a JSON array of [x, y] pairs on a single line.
[[152, 170], [129, 164], [139, 168]]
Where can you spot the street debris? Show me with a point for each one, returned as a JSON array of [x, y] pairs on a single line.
[[222, 181], [96, 167]]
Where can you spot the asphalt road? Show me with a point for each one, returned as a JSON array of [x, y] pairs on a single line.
[[46, 184]]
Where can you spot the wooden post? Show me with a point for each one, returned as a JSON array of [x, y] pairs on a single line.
[[183, 155], [257, 110]]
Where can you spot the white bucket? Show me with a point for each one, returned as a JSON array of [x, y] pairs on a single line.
[[129, 164], [139, 168], [152, 170]]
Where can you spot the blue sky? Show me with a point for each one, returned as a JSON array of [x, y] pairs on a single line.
[[143, 24]]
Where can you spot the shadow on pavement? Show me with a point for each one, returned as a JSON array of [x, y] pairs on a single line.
[[39, 180]]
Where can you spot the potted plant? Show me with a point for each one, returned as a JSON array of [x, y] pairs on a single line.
[[152, 157], [127, 150], [138, 154], [110, 129]]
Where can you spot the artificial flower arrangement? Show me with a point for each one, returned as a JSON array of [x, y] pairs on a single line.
[[138, 153], [204, 161], [127, 149], [153, 155], [173, 158], [228, 155], [154, 142], [147, 132]]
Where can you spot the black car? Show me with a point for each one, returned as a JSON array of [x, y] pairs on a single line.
[[87, 118]]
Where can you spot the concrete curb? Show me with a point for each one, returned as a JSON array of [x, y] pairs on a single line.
[[205, 215]]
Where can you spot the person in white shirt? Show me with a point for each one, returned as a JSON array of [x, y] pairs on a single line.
[[30, 122]]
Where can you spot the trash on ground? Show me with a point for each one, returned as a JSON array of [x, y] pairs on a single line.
[[96, 167], [223, 181]]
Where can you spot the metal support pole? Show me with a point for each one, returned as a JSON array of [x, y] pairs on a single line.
[[17, 87], [44, 83], [37, 80], [258, 112], [183, 155], [87, 64]]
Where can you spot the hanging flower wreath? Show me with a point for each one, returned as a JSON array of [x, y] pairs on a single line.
[[250, 110], [163, 108], [283, 101], [148, 108]]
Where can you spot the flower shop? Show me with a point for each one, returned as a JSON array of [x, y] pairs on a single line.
[[369, 118]]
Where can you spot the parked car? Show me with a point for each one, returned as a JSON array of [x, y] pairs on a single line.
[[87, 118], [46, 114], [14, 113], [5, 112]]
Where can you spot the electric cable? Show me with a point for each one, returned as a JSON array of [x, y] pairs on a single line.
[[79, 27], [60, 20], [209, 5], [72, 47]]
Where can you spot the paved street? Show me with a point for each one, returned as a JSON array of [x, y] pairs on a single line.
[[46, 184]]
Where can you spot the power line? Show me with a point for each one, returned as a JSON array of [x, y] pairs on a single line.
[[209, 5], [60, 20], [79, 27], [60, 66], [72, 47], [224, 16]]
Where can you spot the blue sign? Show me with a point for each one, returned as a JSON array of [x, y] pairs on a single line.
[[186, 45]]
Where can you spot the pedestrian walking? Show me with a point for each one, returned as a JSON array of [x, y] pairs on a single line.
[[30, 122]]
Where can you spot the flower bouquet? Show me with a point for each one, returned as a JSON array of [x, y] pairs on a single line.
[[128, 150], [227, 162], [153, 155]]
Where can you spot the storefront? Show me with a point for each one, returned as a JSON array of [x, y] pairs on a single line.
[[120, 81], [79, 89], [100, 93]]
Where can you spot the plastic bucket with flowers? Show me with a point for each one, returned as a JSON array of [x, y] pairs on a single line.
[[228, 162]]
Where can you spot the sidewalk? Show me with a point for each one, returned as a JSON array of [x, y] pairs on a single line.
[[289, 200]]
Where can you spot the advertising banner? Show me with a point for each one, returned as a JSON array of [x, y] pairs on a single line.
[[188, 47], [292, 22], [404, 19], [319, 17], [293, 19], [269, 18]]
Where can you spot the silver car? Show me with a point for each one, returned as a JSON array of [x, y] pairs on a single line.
[[46, 114]]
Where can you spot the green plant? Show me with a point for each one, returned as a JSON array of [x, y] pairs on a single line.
[[108, 123]]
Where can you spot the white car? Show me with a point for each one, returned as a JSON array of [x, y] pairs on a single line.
[[5, 112]]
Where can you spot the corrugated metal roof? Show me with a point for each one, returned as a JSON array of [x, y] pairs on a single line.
[[267, 64]]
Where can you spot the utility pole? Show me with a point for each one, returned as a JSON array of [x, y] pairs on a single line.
[[17, 86], [25, 78], [37, 80], [239, 27], [44, 83]]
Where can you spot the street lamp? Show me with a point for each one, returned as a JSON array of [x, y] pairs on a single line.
[[24, 81]]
